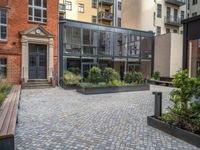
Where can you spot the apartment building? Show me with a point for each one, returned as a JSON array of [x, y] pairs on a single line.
[[104, 12], [28, 40], [159, 16], [193, 8]]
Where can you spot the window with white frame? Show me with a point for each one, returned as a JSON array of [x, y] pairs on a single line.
[[38, 10], [3, 24], [3, 67], [81, 8], [68, 5]]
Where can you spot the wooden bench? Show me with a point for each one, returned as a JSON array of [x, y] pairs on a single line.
[[156, 82], [166, 83], [8, 118]]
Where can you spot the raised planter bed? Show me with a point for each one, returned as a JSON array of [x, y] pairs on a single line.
[[182, 134], [69, 86], [102, 90]]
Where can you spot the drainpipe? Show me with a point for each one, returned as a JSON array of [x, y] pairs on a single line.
[[58, 45]]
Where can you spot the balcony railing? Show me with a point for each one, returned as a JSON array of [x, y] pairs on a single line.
[[106, 2], [173, 21], [62, 8], [105, 16], [176, 2]]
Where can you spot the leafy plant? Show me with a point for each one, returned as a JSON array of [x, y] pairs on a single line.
[[95, 75], [110, 74], [4, 89], [184, 112], [134, 78], [156, 75], [198, 73], [71, 78], [74, 70]]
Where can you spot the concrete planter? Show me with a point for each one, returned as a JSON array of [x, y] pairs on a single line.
[[185, 135], [69, 86], [102, 90]]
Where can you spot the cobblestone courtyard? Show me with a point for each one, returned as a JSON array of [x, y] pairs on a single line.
[[56, 119]]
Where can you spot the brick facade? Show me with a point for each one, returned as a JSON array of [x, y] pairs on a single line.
[[17, 14]]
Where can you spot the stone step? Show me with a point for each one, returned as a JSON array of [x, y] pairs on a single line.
[[37, 81], [37, 84]]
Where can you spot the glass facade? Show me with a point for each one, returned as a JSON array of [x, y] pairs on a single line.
[[85, 44]]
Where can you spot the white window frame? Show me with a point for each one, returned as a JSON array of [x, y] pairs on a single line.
[[4, 25], [41, 8], [81, 8], [68, 5]]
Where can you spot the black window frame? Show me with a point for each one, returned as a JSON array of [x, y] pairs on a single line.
[[119, 22], [94, 3], [158, 28], [194, 2], [94, 18], [119, 6], [159, 11]]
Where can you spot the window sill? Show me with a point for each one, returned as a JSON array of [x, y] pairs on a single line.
[[3, 41], [37, 22]]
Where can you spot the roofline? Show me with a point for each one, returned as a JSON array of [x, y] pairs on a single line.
[[185, 21], [65, 20]]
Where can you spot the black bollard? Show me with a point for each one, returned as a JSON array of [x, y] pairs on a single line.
[[158, 104]]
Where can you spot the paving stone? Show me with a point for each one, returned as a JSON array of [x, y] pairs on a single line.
[[56, 119]]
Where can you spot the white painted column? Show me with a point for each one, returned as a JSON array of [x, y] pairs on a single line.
[[25, 60], [51, 58]]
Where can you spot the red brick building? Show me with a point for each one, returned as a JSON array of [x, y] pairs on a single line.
[[28, 39]]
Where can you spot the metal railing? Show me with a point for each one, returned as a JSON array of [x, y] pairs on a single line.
[[176, 2], [106, 1], [105, 15], [62, 7], [173, 20]]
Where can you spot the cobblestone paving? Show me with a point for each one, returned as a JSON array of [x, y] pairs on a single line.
[[56, 119]]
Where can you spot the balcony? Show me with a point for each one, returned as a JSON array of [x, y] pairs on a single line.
[[176, 2], [106, 2], [173, 21], [62, 8], [105, 16]]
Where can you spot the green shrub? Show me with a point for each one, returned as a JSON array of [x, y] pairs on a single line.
[[2, 97], [185, 112], [156, 75], [74, 70], [71, 78], [4, 89], [94, 75], [110, 74], [134, 77], [198, 73]]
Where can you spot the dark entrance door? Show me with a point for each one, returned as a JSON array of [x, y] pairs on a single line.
[[37, 61]]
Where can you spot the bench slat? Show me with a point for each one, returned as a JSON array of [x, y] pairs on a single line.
[[12, 125], [5, 109], [6, 123]]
